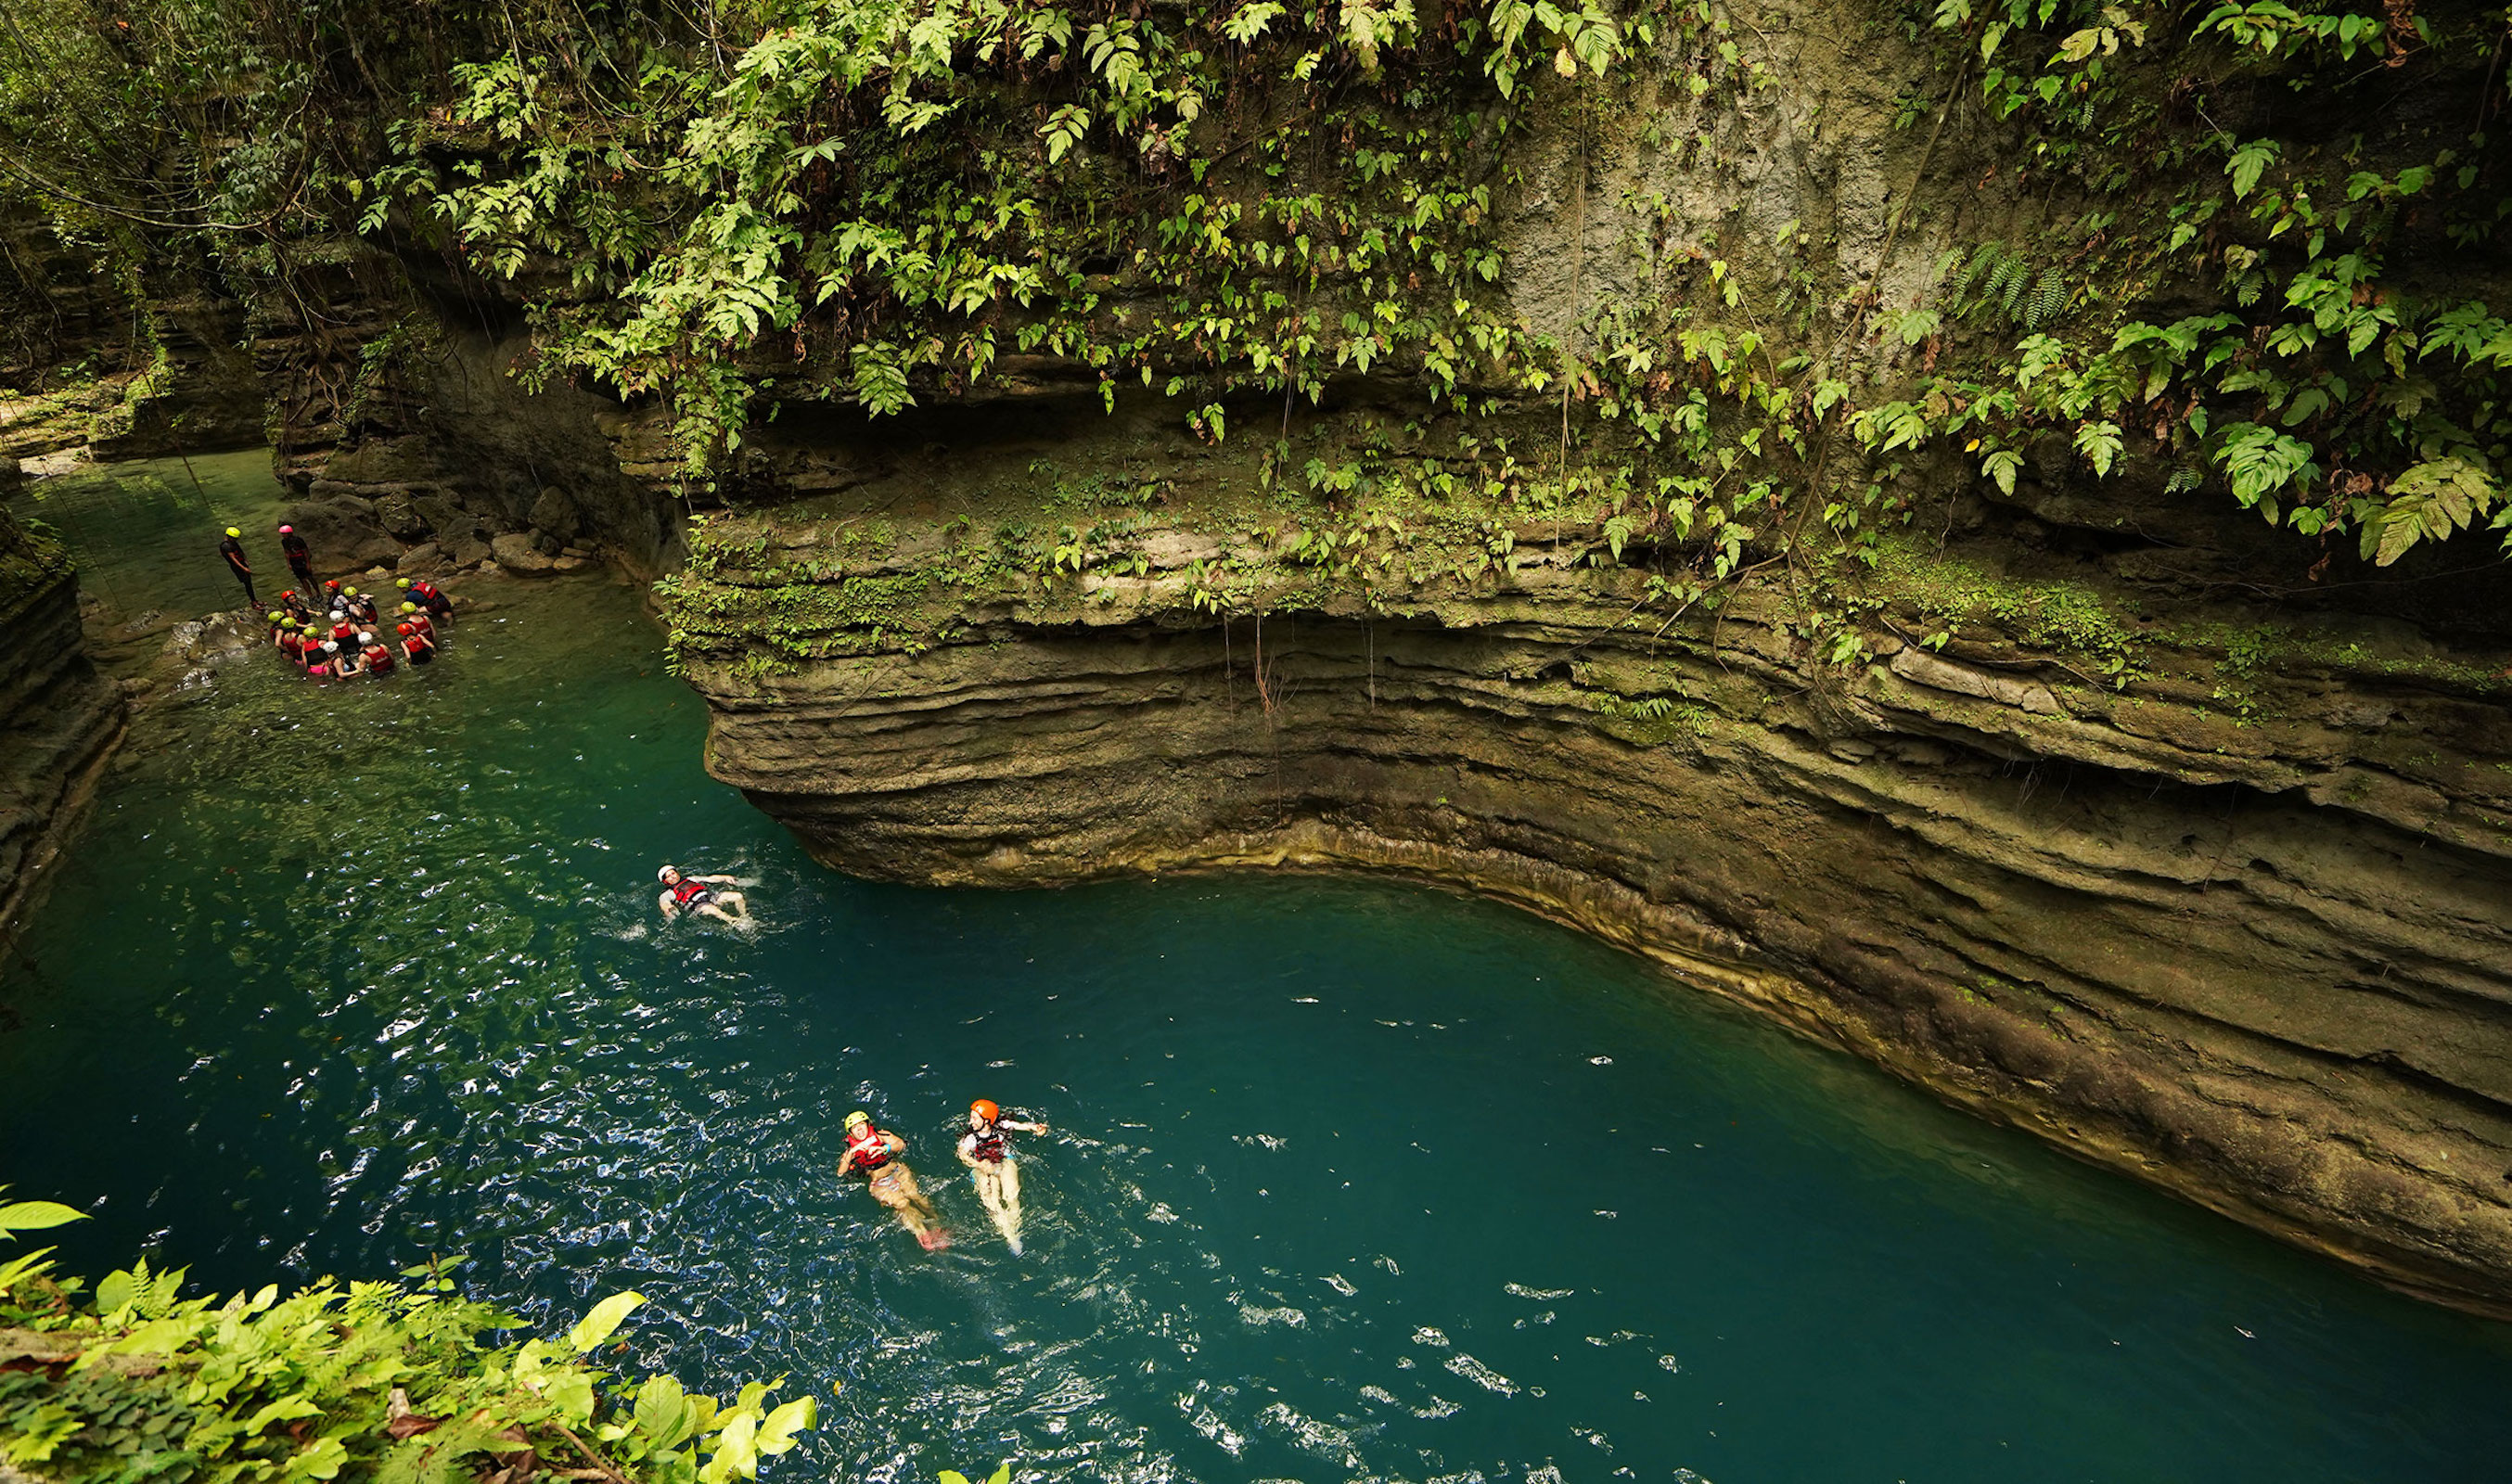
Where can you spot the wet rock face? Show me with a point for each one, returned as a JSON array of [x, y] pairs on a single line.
[[2241, 928], [59, 719]]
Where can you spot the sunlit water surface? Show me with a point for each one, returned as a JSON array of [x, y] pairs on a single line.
[[1344, 1181]]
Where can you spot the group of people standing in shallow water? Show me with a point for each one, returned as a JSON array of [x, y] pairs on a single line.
[[334, 635], [333, 632]]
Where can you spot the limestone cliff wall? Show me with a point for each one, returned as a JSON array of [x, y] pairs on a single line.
[[58, 718], [2218, 899]]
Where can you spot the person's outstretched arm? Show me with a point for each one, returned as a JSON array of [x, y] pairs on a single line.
[[1019, 1127]]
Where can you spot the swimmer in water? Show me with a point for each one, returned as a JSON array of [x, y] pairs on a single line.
[[989, 1164], [698, 894], [877, 1153]]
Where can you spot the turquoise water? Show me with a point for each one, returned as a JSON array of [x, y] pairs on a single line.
[[1344, 1180]]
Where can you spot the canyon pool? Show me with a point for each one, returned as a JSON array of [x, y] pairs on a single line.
[[1342, 1180]]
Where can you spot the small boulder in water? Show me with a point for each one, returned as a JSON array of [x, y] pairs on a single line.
[[519, 556]]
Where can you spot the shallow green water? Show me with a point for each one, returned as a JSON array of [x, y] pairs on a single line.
[[1347, 1180], [147, 532]]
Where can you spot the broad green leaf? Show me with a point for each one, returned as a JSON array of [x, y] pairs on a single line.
[[570, 1390], [36, 1215], [597, 1326], [777, 1433], [285, 1410], [2001, 467], [2100, 442], [116, 1291], [2247, 163], [663, 1412], [2431, 501]]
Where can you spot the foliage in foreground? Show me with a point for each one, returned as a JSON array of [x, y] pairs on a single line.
[[364, 1382]]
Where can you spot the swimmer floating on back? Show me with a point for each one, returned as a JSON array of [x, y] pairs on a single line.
[[875, 1152], [698, 894], [989, 1164]]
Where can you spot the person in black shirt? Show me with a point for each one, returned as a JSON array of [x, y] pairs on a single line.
[[233, 550], [299, 559]]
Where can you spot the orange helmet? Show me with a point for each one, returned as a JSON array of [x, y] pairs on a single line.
[[984, 1108]]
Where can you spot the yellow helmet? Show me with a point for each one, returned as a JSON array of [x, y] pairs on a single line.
[[858, 1118]]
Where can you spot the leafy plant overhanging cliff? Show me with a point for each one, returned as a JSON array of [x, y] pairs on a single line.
[[2251, 244], [1972, 530]]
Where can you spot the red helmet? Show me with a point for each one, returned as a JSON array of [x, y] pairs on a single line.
[[407, 629], [334, 584], [984, 1108]]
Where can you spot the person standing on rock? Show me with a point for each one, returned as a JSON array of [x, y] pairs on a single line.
[[989, 1164], [875, 1152], [299, 559], [233, 550]]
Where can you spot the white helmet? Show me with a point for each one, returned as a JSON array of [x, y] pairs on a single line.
[[666, 872]]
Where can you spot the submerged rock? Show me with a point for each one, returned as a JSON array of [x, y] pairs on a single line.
[[521, 555]]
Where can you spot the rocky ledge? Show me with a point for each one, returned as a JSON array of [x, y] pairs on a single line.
[[2220, 901]]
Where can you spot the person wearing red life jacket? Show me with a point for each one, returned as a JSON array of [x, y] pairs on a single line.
[[416, 617], [989, 1158], [417, 647], [374, 656], [299, 559], [702, 894], [876, 1154], [428, 596], [323, 660]]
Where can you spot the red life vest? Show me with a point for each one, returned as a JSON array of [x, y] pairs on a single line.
[[689, 889], [987, 1144], [869, 1147], [380, 659]]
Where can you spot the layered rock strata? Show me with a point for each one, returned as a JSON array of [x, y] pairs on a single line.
[[2222, 903], [59, 719]]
